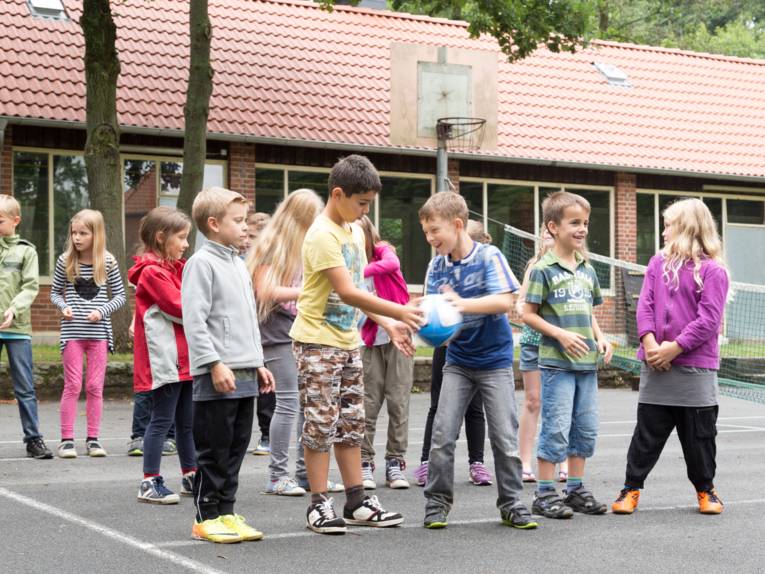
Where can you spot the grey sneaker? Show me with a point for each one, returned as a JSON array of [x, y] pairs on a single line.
[[550, 505], [135, 446], [368, 476], [518, 517], [394, 474], [582, 500], [435, 519], [169, 448]]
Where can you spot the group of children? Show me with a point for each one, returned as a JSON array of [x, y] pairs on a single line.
[[320, 313]]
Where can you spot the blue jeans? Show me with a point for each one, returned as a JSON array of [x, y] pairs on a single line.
[[20, 363], [569, 414], [497, 389]]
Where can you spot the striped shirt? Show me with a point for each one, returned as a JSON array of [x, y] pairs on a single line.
[[565, 297], [84, 296], [485, 341]]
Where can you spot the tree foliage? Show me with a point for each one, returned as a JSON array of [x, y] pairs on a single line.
[[519, 26], [732, 27]]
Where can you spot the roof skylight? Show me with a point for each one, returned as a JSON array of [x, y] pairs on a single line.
[[614, 75], [53, 9]]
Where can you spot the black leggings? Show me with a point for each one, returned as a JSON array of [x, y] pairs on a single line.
[[475, 423]]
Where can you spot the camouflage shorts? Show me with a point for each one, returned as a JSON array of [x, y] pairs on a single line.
[[331, 395]]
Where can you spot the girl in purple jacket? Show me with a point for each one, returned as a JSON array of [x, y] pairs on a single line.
[[679, 317]]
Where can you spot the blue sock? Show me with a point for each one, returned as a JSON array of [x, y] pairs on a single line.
[[545, 485], [573, 483]]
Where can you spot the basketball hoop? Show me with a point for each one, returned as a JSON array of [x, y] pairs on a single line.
[[461, 133]]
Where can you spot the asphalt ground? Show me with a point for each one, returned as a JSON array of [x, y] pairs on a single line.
[[82, 515]]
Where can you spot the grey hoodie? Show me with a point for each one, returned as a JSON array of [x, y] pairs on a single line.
[[219, 318]]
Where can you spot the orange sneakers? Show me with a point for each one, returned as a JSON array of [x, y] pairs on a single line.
[[709, 502], [626, 502]]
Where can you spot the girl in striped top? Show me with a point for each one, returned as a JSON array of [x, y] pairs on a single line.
[[87, 289]]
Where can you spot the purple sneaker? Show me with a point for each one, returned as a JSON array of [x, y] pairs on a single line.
[[421, 474], [479, 474]]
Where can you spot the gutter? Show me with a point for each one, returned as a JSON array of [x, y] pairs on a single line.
[[418, 152]]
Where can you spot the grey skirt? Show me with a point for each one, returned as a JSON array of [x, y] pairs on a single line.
[[678, 387]]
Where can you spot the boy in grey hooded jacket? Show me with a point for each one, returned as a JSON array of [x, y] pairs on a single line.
[[226, 360]]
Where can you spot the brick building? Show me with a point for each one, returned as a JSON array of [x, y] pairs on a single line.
[[629, 127]]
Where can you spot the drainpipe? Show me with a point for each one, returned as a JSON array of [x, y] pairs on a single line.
[[3, 123]]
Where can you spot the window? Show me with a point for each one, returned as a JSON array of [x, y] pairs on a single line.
[[30, 188], [399, 223], [269, 189], [52, 187], [314, 180], [70, 195], [646, 227], [472, 191], [599, 234], [746, 212], [53, 9], [715, 206]]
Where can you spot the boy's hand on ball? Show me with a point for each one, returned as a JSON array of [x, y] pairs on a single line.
[[573, 343], [453, 298], [223, 379], [412, 316], [266, 379]]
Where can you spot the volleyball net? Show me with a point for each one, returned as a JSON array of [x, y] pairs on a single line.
[[742, 340]]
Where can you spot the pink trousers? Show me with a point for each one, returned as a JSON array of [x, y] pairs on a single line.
[[95, 351]]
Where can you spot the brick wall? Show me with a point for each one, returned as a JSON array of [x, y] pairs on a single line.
[[6, 163], [625, 238], [45, 315], [241, 169]]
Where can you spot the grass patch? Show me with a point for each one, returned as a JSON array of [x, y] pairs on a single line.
[[424, 352], [52, 354]]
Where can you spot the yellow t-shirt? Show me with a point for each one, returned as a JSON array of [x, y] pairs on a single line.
[[322, 317]]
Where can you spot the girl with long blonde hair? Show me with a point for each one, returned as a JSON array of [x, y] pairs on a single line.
[[87, 289], [276, 266], [679, 317]]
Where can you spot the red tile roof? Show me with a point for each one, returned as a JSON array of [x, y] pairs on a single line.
[[286, 70]]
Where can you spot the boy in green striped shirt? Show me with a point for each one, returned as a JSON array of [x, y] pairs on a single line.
[[563, 288]]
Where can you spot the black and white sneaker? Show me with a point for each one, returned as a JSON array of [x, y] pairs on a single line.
[[322, 518], [187, 484], [371, 513]]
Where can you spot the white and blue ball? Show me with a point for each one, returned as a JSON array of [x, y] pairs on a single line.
[[443, 320]]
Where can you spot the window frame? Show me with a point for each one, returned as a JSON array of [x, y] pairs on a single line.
[[608, 291], [132, 155], [718, 193], [286, 168]]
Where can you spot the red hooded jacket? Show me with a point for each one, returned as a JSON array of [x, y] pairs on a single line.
[[160, 351]]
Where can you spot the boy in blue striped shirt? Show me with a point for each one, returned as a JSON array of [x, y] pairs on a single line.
[[477, 279]]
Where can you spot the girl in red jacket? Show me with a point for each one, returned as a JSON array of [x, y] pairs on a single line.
[[161, 356]]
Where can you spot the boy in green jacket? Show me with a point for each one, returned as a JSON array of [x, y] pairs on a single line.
[[18, 289]]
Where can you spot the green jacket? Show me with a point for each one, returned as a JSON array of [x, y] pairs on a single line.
[[19, 282]]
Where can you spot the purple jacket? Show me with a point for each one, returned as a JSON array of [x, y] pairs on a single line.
[[690, 318], [385, 270]]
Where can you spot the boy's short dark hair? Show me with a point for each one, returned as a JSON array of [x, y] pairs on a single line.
[[354, 174]]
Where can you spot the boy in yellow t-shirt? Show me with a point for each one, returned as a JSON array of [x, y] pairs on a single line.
[[326, 345]]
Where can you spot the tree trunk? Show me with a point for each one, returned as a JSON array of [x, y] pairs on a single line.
[[603, 17], [197, 107], [102, 149]]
